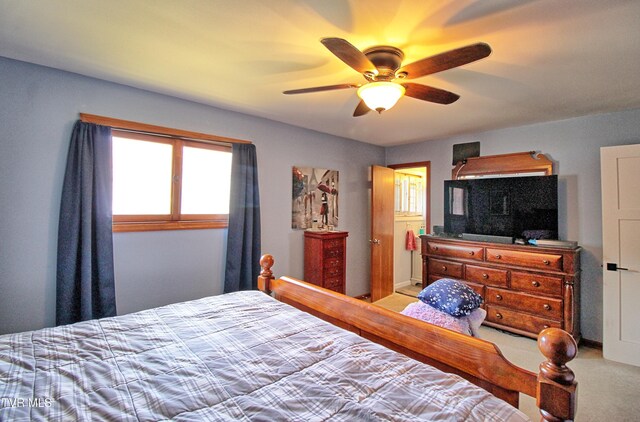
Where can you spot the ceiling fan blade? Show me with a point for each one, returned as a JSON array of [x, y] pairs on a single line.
[[429, 93], [446, 60], [320, 88], [349, 54], [361, 109]]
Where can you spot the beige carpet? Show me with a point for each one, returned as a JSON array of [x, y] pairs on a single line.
[[409, 290], [396, 302], [607, 391]]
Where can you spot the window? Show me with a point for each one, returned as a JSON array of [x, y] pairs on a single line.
[[167, 183], [409, 198]]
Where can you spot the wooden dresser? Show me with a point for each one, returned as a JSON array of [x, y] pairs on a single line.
[[525, 288], [325, 259]]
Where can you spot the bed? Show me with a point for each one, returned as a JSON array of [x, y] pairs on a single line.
[[254, 356]]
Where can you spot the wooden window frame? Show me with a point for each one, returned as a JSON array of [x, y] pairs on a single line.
[[163, 131], [175, 220]]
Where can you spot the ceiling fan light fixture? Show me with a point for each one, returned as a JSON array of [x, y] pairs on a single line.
[[380, 96]]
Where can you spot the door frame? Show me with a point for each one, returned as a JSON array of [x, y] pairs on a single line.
[[427, 209], [427, 196]]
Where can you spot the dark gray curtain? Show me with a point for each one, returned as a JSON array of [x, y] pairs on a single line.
[[243, 237], [85, 280]]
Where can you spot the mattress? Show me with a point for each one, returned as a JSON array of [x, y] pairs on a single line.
[[239, 356]]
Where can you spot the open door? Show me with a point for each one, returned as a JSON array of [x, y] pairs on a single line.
[[382, 223]]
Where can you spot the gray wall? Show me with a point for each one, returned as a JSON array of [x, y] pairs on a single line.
[[574, 145], [38, 107]]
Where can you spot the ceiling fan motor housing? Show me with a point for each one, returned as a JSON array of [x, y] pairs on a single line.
[[386, 59]]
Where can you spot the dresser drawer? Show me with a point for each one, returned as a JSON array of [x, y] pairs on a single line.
[[332, 272], [445, 268], [330, 263], [545, 307], [334, 283], [519, 320], [536, 283], [432, 278], [525, 259], [333, 243], [488, 276], [333, 252], [455, 251]]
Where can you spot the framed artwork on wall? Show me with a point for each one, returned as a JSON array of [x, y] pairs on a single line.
[[314, 196]]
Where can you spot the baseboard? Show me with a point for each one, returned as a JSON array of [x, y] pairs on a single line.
[[402, 284], [592, 344]]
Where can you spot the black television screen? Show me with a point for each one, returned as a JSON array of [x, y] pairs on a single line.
[[519, 207]]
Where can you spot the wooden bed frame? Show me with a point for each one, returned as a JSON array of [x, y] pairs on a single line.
[[479, 361]]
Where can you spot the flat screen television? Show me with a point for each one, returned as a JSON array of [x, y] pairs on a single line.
[[518, 207]]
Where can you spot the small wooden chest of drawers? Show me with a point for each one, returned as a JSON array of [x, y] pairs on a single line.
[[325, 259], [525, 288]]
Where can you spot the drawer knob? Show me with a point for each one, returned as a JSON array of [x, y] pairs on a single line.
[[546, 262], [498, 315], [471, 253], [435, 248], [444, 268], [485, 276], [498, 256], [546, 306], [535, 284], [498, 297], [546, 326]]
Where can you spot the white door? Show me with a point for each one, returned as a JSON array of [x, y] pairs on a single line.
[[620, 168]]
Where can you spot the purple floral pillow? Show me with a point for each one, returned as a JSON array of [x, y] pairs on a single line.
[[424, 312], [451, 296]]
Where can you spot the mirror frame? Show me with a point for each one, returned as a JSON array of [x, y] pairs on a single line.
[[515, 163]]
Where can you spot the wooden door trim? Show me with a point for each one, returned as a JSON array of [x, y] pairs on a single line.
[[427, 199]]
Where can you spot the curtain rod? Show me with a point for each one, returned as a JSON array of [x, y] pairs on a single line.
[[156, 130]]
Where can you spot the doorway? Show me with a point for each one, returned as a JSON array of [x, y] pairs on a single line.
[[410, 221], [410, 209]]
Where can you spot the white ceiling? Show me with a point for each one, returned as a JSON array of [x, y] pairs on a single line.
[[552, 59]]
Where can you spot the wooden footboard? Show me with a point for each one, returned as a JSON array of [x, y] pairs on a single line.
[[479, 361]]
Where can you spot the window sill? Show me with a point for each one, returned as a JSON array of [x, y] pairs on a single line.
[[120, 227]]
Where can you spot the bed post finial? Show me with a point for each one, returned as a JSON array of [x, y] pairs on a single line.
[[266, 275], [556, 382]]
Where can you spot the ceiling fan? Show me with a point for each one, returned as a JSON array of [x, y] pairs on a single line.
[[382, 67]]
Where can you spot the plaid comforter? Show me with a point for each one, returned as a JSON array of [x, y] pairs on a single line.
[[239, 356]]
